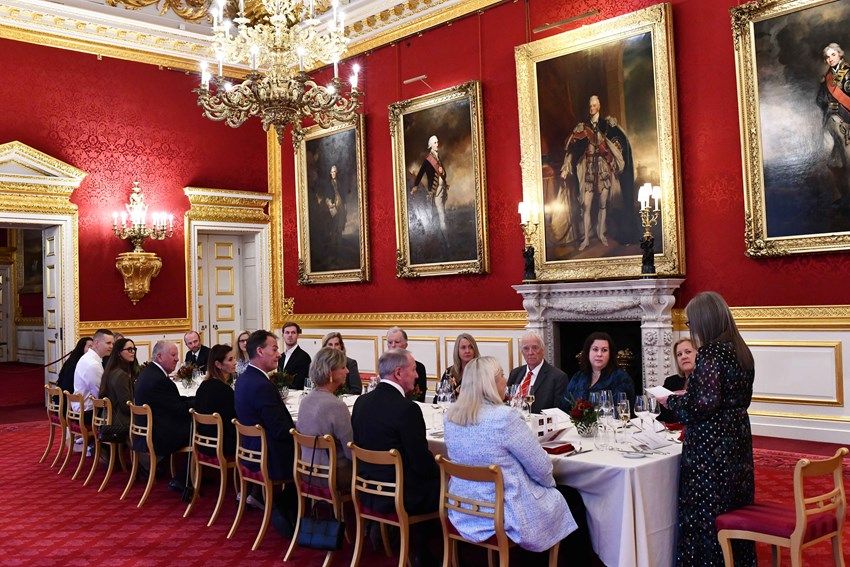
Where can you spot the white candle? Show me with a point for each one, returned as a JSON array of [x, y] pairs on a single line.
[[220, 57], [656, 196], [241, 7], [336, 68], [123, 219], [255, 52], [524, 212], [114, 219], [170, 222]]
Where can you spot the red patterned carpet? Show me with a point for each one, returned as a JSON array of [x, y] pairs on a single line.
[[47, 519]]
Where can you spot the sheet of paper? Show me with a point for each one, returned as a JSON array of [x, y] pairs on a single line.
[[658, 391], [558, 416], [651, 440]]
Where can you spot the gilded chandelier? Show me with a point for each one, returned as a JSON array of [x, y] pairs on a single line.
[[278, 40]]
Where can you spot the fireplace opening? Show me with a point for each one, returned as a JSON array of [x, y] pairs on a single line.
[[569, 338]]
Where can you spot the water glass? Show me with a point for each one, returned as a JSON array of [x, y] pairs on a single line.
[[607, 401], [602, 440], [308, 386], [642, 408], [596, 401]]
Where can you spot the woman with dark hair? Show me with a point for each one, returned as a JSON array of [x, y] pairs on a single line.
[[242, 358], [598, 372], [214, 395], [685, 354], [716, 468], [66, 374], [119, 378], [465, 351], [353, 384]]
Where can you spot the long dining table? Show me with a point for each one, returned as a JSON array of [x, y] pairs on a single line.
[[631, 502]]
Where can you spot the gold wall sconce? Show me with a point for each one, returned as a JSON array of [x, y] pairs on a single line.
[[138, 267]]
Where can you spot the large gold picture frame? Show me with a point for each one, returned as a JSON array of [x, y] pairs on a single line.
[[331, 201], [625, 67], [796, 168], [440, 196]]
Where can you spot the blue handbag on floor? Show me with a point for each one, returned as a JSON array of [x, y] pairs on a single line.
[[319, 533]]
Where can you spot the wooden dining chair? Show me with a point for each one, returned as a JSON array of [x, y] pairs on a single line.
[[814, 518], [395, 490], [103, 416], [323, 485], [493, 510], [246, 460], [141, 426], [75, 419], [55, 420], [219, 461]]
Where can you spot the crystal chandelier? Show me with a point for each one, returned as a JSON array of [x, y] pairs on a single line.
[[278, 40]]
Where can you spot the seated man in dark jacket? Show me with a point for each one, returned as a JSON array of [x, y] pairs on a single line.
[[171, 420]]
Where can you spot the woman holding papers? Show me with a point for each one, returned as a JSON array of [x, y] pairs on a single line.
[[481, 431], [685, 354], [716, 470]]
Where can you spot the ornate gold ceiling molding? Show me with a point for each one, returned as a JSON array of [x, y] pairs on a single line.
[[782, 317], [442, 320], [226, 206], [136, 327]]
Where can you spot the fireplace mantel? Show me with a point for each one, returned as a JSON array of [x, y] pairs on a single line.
[[649, 301]]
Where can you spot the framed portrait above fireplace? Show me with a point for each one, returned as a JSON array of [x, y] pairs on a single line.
[[597, 113]]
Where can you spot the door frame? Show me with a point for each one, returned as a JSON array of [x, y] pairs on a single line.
[[218, 211]]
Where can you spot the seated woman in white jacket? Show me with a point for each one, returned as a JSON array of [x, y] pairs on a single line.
[[480, 430]]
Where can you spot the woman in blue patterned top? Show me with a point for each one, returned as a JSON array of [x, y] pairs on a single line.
[[598, 372]]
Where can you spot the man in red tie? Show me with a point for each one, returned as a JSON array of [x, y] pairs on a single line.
[[537, 377]]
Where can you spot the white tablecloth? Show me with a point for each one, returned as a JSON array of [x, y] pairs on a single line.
[[631, 503]]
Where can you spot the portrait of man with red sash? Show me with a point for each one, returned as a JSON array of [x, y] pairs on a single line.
[[834, 101]]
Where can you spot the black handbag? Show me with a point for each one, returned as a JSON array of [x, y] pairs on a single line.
[[113, 433], [319, 533]]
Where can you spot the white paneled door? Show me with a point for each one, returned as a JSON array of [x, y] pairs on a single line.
[[220, 284], [53, 332]]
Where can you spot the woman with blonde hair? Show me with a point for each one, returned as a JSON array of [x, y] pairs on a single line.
[[716, 468], [321, 412], [685, 354], [242, 358], [466, 349], [353, 384], [481, 431]]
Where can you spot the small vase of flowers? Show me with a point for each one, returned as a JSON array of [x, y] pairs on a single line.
[[186, 374], [584, 417], [282, 381]]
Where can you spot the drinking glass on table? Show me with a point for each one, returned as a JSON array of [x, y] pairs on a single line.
[[308, 386], [655, 411], [444, 396], [624, 414], [642, 409], [527, 402], [512, 394], [606, 401]]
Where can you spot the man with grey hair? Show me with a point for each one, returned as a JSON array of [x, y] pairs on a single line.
[[172, 423], [397, 338], [537, 377], [834, 101]]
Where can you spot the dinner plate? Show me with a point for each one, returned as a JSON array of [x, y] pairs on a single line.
[[631, 455]]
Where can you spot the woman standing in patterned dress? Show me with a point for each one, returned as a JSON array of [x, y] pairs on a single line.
[[716, 470]]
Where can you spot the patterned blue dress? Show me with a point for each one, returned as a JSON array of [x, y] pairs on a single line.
[[716, 470]]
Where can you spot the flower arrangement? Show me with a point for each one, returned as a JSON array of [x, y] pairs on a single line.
[[583, 416], [281, 380], [186, 374]]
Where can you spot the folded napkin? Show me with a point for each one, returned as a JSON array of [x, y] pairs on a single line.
[[556, 448], [675, 426]]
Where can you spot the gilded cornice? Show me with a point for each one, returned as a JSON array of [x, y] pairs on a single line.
[[226, 206], [136, 327], [782, 317], [409, 320]]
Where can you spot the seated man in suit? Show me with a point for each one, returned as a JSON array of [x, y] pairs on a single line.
[[197, 354], [537, 377], [258, 402], [171, 420], [295, 360], [397, 338]]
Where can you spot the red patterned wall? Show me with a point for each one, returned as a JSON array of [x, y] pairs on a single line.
[[481, 47], [121, 121]]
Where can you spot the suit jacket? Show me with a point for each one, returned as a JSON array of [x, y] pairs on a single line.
[[258, 402], [298, 365], [171, 420], [548, 388], [421, 381], [201, 359], [382, 420], [352, 382]]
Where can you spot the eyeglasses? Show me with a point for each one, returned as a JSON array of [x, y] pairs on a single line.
[[243, 340], [129, 349]]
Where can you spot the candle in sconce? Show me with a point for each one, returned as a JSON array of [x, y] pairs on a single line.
[[170, 222], [114, 220], [123, 220], [524, 210], [644, 193], [336, 68], [656, 196]]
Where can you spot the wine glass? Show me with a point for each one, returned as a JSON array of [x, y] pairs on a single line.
[[595, 399], [512, 394], [655, 411], [607, 401], [308, 386], [528, 401], [444, 396], [624, 413], [642, 409]]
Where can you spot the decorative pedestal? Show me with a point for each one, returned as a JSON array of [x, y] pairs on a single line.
[[138, 269], [649, 301]]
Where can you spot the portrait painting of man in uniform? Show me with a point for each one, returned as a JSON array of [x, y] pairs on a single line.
[[439, 183], [600, 125], [794, 91], [332, 232]]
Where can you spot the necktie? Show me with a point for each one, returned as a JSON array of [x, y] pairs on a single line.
[[526, 385]]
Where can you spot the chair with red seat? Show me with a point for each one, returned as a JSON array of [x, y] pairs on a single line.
[[493, 509], [77, 427], [259, 476], [395, 490], [321, 487], [221, 462], [813, 518], [55, 420], [101, 417]]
